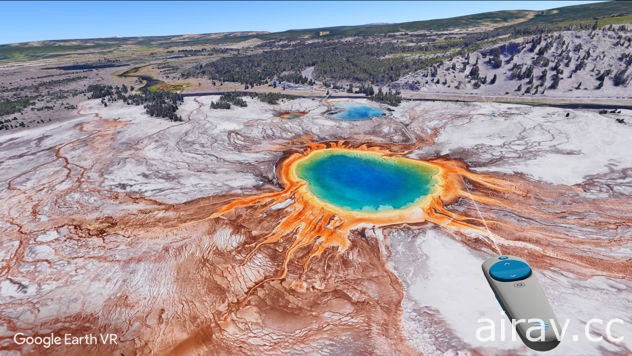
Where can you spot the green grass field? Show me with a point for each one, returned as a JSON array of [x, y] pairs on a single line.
[[22, 53]]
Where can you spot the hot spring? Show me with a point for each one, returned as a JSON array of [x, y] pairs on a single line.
[[355, 112], [366, 181]]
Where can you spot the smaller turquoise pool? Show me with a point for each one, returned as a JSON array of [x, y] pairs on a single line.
[[357, 112]]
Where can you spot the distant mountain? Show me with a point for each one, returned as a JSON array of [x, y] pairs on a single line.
[[580, 52], [495, 19], [562, 16]]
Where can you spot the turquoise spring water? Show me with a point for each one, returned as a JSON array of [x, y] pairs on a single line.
[[365, 181], [356, 112]]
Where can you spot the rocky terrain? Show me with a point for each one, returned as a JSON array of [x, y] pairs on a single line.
[[568, 64]]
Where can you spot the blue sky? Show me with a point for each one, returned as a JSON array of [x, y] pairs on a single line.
[[22, 21]]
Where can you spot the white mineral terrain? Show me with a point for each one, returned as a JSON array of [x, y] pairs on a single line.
[[556, 66], [106, 227]]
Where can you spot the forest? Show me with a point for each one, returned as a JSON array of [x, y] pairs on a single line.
[[371, 60], [357, 61], [156, 103]]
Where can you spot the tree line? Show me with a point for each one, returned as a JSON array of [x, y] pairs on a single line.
[[157, 103], [235, 98]]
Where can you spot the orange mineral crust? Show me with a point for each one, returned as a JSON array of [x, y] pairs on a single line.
[[317, 225], [290, 115], [264, 266], [314, 223]]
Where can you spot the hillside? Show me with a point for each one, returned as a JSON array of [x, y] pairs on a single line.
[[563, 64], [510, 20], [507, 20], [573, 54]]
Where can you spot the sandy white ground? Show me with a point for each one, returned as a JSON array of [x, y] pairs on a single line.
[[216, 152]]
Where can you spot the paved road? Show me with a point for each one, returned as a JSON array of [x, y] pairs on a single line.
[[463, 99]]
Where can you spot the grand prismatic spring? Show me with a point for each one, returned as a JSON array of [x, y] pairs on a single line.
[[335, 188], [260, 234], [365, 181]]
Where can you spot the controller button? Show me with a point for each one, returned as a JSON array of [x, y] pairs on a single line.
[[510, 270]]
